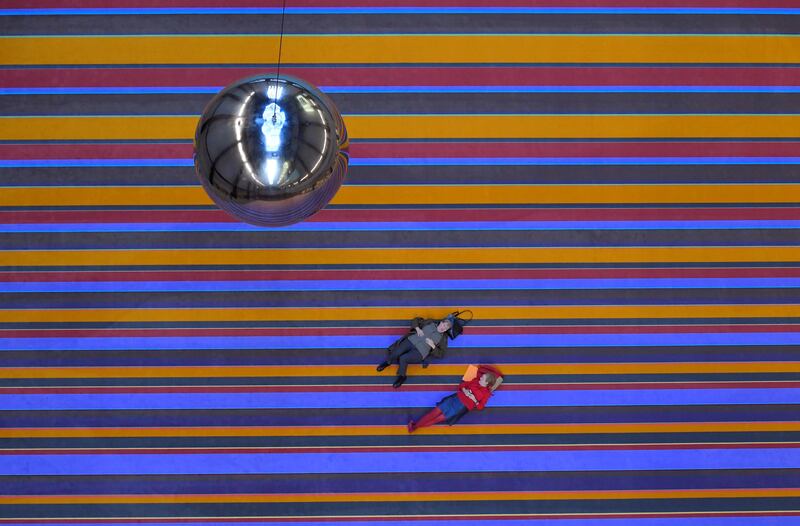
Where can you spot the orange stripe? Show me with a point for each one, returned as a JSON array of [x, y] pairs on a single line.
[[531, 312], [405, 497], [401, 256], [324, 431]]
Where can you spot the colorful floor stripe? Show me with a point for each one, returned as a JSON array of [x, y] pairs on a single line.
[[610, 186]]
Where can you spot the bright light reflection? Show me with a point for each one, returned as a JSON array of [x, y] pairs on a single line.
[[238, 129], [274, 91], [273, 172], [274, 119], [307, 105]]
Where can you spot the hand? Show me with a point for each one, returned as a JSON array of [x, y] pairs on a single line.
[[430, 342], [419, 331], [469, 395]]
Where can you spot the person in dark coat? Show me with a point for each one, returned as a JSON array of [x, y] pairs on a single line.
[[471, 395], [425, 338]]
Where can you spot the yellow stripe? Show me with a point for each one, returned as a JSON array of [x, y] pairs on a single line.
[[422, 195], [427, 127], [543, 312], [405, 497], [269, 371], [399, 256], [467, 429], [370, 49]]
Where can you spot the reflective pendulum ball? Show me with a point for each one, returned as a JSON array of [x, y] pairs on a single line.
[[270, 150]]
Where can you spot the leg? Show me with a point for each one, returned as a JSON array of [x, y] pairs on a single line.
[[399, 350], [412, 356], [432, 417]]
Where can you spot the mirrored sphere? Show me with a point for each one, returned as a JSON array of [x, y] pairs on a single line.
[[271, 151]]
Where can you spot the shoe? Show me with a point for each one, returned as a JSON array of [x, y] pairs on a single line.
[[411, 426], [399, 381], [382, 366]]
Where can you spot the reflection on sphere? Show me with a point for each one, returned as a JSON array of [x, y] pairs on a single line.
[[271, 151]]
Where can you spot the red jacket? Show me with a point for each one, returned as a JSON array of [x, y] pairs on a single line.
[[481, 394]]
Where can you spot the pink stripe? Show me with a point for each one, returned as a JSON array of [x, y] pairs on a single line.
[[415, 449], [391, 331], [388, 275], [409, 215], [388, 388], [401, 76], [430, 150]]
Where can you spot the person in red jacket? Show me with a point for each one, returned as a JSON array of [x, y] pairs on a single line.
[[471, 395]]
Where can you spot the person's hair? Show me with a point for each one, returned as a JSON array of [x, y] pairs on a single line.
[[490, 378]]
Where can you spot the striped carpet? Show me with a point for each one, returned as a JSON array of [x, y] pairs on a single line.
[[612, 186]]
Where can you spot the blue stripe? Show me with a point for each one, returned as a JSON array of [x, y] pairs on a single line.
[[417, 284], [405, 10], [491, 341], [401, 226], [409, 89], [386, 399], [88, 163], [407, 462], [108, 91], [429, 161]]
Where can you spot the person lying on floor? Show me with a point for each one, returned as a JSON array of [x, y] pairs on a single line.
[[425, 338], [471, 395]]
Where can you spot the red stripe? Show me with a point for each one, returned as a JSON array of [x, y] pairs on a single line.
[[401, 274], [430, 150], [409, 449], [395, 331], [387, 388], [413, 215], [405, 76], [96, 151]]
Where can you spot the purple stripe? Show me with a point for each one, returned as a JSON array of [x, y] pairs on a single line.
[[320, 226], [402, 399], [431, 161], [427, 284], [381, 342], [391, 462]]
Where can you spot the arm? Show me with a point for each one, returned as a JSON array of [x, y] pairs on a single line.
[[468, 393], [480, 404], [440, 348], [480, 394], [493, 370], [497, 383]]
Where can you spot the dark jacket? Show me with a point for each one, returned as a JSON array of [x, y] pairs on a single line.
[[436, 352]]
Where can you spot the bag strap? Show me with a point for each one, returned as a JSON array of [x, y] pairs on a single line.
[[458, 314]]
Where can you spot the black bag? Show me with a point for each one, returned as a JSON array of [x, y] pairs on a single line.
[[457, 323]]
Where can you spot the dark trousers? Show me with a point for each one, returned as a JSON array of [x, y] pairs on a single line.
[[403, 354]]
